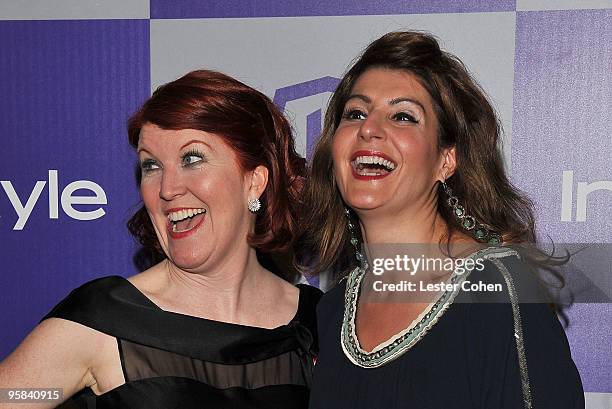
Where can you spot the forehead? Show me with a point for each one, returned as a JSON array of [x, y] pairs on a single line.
[[388, 84], [154, 138], [151, 135]]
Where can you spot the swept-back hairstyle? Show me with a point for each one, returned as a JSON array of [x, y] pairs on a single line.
[[252, 126], [466, 121]]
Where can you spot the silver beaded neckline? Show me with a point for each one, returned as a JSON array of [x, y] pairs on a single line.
[[401, 342]]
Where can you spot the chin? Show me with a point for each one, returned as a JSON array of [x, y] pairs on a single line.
[[365, 197], [187, 261], [364, 203]]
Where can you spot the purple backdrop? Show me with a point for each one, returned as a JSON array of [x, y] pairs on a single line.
[[67, 89], [68, 86], [562, 122], [282, 8]]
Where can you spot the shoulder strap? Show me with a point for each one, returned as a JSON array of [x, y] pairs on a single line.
[[518, 331], [307, 304], [112, 305], [88, 303], [307, 312]]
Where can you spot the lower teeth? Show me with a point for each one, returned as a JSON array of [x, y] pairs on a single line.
[[362, 170], [174, 230]]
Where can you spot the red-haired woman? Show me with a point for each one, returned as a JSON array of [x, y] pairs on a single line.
[[207, 326]]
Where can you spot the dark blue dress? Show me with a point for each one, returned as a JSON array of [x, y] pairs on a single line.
[[467, 359]]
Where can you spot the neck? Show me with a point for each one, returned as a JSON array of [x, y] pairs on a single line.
[[412, 225], [223, 290], [414, 232]]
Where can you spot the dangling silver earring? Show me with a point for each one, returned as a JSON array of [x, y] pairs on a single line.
[[254, 205], [363, 264], [468, 222]]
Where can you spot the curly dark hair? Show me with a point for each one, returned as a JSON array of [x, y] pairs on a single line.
[[467, 121]]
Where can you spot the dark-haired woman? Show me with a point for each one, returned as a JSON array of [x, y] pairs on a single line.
[[409, 155], [208, 326]]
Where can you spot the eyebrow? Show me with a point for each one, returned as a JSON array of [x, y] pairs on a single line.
[[407, 99], [182, 147], [196, 141], [364, 98], [394, 101]]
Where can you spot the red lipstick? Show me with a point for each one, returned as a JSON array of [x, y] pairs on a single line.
[[181, 234]]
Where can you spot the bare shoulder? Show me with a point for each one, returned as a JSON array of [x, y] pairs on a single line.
[[57, 354], [151, 280], [286, 290], [281, 300], [52, 338]]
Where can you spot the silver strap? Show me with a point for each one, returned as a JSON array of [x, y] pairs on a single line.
[[518, 332]]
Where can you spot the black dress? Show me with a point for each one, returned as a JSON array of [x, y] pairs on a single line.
[[171, 360], [467, 357]]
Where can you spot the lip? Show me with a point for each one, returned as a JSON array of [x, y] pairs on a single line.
[[368, 153], [180, 235]]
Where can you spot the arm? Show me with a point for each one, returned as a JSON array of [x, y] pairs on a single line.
[[495, 373], [553, 378], [57, 354]]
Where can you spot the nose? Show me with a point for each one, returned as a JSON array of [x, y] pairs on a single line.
[[372, 127], [172, 184]]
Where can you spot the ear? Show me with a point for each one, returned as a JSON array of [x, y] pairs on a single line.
[[448, 163], [258, 182]]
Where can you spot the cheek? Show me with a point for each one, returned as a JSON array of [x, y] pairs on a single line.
[[149, 191], [339, 149], [335, 149], [418, 153], [200, 183], [337, 168], [217, 188]]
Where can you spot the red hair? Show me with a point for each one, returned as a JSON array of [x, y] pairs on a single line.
[[252, 126]]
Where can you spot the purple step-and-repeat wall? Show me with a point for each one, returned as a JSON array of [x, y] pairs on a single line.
[[72, 72]]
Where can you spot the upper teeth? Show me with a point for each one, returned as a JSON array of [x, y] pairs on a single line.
[[183, 214], [377, 160]]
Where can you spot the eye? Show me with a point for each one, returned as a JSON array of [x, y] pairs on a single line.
[[405, 117], [148, 165], [192, 157], [354, 115]]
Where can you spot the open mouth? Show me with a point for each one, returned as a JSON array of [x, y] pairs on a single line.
[[185, 220], [372, 166]]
